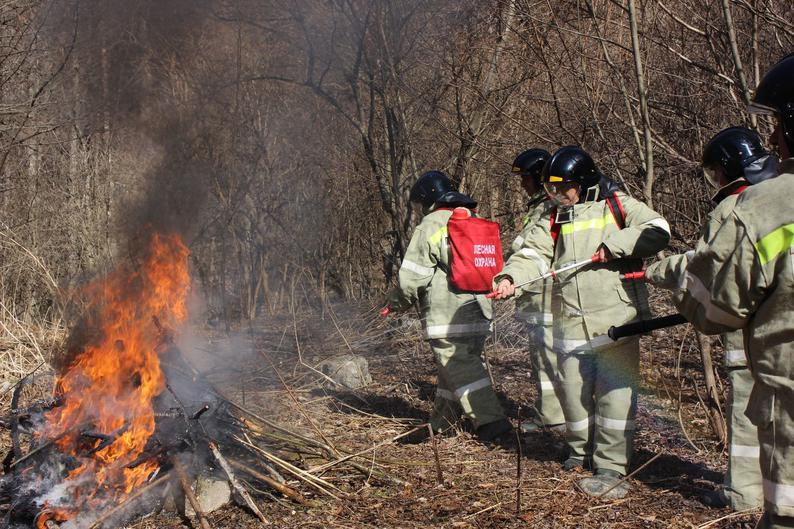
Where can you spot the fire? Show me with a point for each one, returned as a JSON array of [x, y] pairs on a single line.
[[107, 414]]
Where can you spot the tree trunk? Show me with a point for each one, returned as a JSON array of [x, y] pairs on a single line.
[[642, 92], [713, 399]]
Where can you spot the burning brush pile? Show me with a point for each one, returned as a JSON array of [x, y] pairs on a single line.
[[131, 422]]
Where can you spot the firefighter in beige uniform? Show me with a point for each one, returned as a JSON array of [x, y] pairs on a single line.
[[534, 306], [456, 324], [734, 159], [598, 377], [742, 277]]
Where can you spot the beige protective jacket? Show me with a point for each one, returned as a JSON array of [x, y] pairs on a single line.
[[670, 273], [587, 301], [534, 305], [445, 312], [742, 277]]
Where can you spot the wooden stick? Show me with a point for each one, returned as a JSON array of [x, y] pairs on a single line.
[[434, 443], [240, 490], [134, 496], [184, 480], [737, 514], [284, 489], [518, 465], [323, 468]]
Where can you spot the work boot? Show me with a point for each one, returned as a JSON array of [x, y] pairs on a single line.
[[715, 499], [532, 426], [605, 485], [573, 463], [490, 432]]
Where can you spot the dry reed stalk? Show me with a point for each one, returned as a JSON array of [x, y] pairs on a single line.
[[284, 489], [317, 483]]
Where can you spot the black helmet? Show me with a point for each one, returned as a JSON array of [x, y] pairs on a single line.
[[733, 149], [571, 164], [434, 187], [530, 163], [430, 187], [775, 94]]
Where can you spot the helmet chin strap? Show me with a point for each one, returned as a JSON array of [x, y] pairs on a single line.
[[591, 194]]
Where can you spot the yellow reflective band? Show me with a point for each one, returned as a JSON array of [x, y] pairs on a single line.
[[592, 224], [774, 243], [555, 179], [438, 235], [516, 169], [526, 219]]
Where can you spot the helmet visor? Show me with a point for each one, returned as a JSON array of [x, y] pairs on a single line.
[[559, 192]]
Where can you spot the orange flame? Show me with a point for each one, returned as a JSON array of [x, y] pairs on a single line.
[[109, 386]]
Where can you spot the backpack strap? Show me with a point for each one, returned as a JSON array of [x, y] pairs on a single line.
[[614, 205], [554, 227]]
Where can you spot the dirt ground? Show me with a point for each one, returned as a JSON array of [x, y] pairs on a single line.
[[479, 485]]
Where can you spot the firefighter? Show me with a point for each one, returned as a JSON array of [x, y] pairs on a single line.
[[455, 323], [741, 276], [534, 306], [732, 160], [597, 377]]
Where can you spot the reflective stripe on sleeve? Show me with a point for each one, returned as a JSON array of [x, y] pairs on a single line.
[[416, 268], [614, 424], [457, 329], [518, 242], [779, 494], [592, 224], [745, 451], [658, 222], [436, 237], [463, 391], [735, 355], [578, 426], [774, 243], [546, 385], [535, 256], [713, 313]]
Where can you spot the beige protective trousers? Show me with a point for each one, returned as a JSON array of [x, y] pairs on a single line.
[[743, 483], [776, 438], [599, 397], [544, 374], [464, 386]]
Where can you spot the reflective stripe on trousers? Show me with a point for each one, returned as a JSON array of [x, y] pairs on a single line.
[[599, 397]]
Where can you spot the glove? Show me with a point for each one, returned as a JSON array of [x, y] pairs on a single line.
[[397, 302]]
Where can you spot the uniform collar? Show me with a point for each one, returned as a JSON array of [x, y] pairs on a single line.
[[733, 188]]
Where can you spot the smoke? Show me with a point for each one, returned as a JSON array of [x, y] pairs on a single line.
[[131, 65]]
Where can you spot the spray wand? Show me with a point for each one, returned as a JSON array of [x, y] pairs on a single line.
[[385, 311]]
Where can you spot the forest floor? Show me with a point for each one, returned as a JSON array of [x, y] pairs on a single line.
[[479, 483], [269, 369]]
